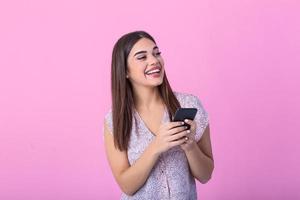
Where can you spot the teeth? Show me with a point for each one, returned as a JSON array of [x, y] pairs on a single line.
[[153, 71]]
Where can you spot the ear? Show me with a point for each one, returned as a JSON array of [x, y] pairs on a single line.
[[127, 73]]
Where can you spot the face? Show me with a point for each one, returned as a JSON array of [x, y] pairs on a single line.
[[145, 64]]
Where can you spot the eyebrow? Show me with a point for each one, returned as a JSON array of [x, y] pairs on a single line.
[[139, 52]]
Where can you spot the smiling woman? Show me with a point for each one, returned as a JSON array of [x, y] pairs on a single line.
[[150, 156]]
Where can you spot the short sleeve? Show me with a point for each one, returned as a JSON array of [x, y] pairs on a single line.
[[201, 119], [108, 120]]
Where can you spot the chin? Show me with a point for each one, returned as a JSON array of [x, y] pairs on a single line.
[[154, 84], [157, 83]]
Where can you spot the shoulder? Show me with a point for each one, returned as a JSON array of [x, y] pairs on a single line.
[[108, 114], [108, 111], [187, 99], [108, 119]]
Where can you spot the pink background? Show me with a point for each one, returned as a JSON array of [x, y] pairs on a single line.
[[240, 57]]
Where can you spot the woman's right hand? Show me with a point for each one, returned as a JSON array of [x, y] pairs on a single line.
[[170, 134]]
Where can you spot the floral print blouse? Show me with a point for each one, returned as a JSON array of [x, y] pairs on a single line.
[[170, 178]]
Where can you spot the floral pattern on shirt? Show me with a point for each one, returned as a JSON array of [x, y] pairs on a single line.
[[170, 178]]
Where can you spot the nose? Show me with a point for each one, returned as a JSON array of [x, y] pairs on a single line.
[[153, 60]]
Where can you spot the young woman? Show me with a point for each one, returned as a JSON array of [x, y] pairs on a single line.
[[150, 156]]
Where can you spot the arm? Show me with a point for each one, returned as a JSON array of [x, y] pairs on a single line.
[[129, 178], [200, 157]]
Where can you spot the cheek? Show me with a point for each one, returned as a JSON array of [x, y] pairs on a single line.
[[136, 70], [161, 60]]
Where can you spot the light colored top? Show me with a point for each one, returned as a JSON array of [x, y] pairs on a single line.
[[170, 178]]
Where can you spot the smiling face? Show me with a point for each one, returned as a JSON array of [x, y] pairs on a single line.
[[145, 64]]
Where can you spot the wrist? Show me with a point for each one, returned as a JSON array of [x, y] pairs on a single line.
[[153, 149], [191, 146]]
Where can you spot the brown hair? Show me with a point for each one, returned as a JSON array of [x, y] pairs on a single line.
[[122, 93]]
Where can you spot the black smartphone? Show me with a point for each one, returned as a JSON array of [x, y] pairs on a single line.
[[185, 113]]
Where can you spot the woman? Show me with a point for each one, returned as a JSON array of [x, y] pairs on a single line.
[[150, 156]]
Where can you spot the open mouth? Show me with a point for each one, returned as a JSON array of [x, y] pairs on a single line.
[[154, 71]]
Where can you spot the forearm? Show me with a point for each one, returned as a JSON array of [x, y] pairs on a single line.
[[136, 175], [201, 165]]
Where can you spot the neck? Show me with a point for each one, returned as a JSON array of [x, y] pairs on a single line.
[[146, 98]]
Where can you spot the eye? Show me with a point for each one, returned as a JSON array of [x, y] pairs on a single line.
[[157, 53], [141, 58]]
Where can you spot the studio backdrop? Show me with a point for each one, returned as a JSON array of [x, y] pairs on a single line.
[[241, 58]]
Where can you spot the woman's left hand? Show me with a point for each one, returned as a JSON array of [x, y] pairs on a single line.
[[190, 138]]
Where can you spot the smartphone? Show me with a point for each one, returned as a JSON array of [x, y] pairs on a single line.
[[185, 113]]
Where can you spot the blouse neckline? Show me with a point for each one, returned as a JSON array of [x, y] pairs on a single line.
[[144, 124]]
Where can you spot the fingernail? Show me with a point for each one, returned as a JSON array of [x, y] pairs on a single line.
[[186, 120], [182, 123], [188, 131]]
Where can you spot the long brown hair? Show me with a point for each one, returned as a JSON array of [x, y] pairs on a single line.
[[122, 92]]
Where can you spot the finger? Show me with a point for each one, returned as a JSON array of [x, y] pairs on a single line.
[[179, 135], [171, 125], [176, 130], [186, 142], [177, 142], [188, 121], [192, 123]]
